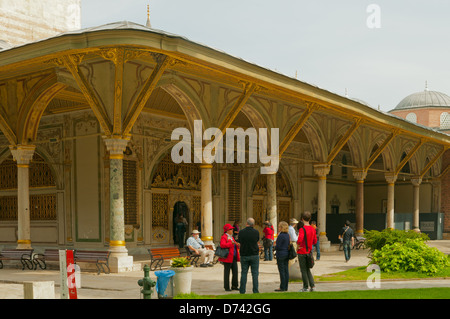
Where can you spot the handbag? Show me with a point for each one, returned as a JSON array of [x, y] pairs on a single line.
[[309, 256], [221, 252], [292, 252]]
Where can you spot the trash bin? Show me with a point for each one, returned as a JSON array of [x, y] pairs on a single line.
[[164, 284]]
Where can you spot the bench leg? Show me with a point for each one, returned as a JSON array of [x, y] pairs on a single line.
[[160, 263], [153, 262], [40, 263], [109, 270], [28, 263], [101, 267]]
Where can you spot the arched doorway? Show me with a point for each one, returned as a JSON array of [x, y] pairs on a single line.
[[175, 188], [180, 223]]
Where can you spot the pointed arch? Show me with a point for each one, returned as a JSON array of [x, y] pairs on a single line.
[[188, 100], [34, 106]]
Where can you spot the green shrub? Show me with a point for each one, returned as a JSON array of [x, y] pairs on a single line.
[[377, 239], [410, 255]]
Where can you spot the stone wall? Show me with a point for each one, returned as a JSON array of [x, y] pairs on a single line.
[[24, 21]]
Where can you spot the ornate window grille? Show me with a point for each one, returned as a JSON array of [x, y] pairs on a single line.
[[234, 195], [130, 192], [42, 206]]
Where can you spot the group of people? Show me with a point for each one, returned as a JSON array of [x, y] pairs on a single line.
[[243, 247]]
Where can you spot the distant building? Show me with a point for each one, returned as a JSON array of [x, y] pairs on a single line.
[[24, 21], [428, 108]]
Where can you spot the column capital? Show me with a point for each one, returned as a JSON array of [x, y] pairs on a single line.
[[359, 174], [416, 180], [391, 177], [116, 146], [322, 170], [22, 154]]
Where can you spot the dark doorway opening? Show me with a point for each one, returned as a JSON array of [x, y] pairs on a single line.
[[180, 223]]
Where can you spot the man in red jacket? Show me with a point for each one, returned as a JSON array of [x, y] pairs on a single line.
[[311, 238]]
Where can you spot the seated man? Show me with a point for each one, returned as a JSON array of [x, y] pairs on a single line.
[[196, 245]]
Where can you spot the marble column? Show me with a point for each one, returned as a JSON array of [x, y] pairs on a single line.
[[322, 170], [206, 202], [119, 259], [359, 175], [416, 181], [23, 154], [391, 178], [272, 215]]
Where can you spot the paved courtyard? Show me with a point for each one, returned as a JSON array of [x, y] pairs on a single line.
[[208, 280]]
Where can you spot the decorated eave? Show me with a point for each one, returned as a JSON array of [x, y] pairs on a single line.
[[34, 57]]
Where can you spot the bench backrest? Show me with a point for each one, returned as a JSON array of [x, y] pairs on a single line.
[[51, 254], [16, 253], [91, 255], [166, 253]]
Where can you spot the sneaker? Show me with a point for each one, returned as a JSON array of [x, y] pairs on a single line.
[[312, 289], [303, 290], [210, 265], [203, 265]]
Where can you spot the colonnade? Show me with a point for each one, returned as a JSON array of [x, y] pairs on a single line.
[[23, 155]]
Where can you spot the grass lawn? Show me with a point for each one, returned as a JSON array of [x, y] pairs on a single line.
[[359, 273], [423, 293]]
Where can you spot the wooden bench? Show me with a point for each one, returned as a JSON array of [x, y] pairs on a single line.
[[48, 255], [24, 255], [159, 255], [100, 258], [192, 256]]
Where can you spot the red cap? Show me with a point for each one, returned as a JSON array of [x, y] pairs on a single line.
[[227, 227]]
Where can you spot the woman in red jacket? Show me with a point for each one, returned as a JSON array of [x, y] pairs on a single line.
[[230, 263]]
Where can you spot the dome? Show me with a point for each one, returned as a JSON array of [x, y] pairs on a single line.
[[424, 99]]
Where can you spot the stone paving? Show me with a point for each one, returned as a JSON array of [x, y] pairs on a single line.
[[208, 281]]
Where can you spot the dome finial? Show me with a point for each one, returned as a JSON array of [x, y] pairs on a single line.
[[148, 25], [346, 93], [426, 85]]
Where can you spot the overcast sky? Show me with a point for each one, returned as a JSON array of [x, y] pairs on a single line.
[[328, 42]]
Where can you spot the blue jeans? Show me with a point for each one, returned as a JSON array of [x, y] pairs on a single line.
[[268, 253], [283, 269], [317, 248], [246, 262], [347, 249]]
